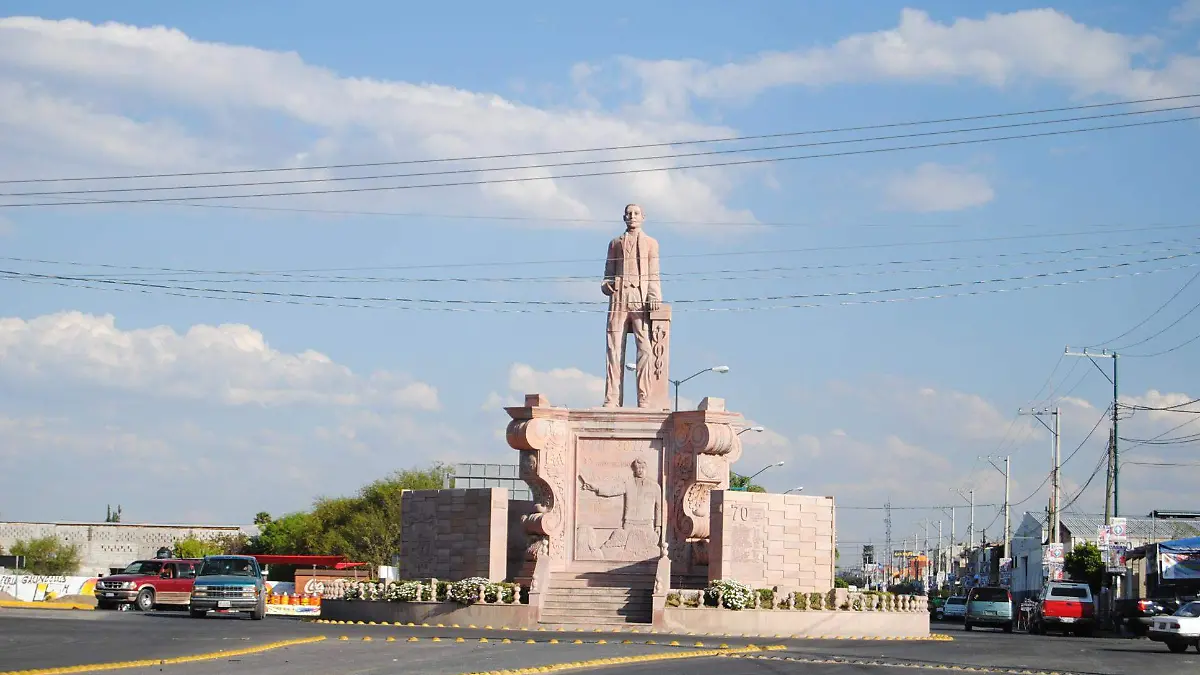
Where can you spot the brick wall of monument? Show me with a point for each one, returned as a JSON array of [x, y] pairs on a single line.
[[454, 534], [768, 540]]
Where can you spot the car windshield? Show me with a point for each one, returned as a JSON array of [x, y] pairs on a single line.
[[956, 601], [989, 595], [237, 567], [1192, 609], [144, 567], [1068, 592]]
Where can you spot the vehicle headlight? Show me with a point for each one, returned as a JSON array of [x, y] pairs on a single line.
[[129, 585]]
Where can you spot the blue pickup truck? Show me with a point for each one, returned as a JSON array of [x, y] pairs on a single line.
[[229, 583]]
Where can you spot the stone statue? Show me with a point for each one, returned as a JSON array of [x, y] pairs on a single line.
[[633, 286]]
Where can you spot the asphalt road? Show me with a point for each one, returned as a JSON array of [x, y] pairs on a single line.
[[33, 640]]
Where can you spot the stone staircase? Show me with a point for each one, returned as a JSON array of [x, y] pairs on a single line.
[[598, 599]]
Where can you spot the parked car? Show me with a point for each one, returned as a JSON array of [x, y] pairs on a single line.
[[147, 584], [955, 608], [1178, 630], [229, 583], [989, 606], [1138, 614], [1065, 606]]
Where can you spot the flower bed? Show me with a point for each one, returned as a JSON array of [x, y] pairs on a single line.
[[731, 607], [473, 601]]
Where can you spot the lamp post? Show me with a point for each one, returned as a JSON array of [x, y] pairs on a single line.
[[751, 478], [714, 369], [758, 429], [795, 489]]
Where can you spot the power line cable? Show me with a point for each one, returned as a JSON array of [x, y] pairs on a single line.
[[1153, 314], [611, 148], [595, 174], [1165, 351], [754, 274], [587, 162], [595, 303], [1163, 330], [350, 302]]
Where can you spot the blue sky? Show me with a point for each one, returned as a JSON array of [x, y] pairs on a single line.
[[153, 406]]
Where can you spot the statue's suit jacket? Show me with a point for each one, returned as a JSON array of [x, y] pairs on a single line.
[[649, 280]]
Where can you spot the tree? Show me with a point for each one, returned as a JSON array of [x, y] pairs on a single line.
[[48, 556], [112, 516], [365, 527], [1084, 564], [739, 482], [193, 547], [262, 519]]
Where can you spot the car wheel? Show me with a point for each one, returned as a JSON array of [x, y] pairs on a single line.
[[197, 613], [106, 604], [259, 613], [1177, 647], [967, 626], [145, 600], [1083, 632], [1008, 628]]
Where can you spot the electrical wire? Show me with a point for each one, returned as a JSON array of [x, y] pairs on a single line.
[[640, 146], [1165, 351], [752, 274], [588, 303], [1171, 408], [587, 162], [1153, 314], [336, 301], [595, 174], [1163, 330]]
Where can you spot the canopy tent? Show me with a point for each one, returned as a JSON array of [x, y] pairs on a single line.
[[1188, 545]]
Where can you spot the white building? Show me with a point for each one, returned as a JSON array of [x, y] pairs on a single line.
[[1029, 571], [104, 546]]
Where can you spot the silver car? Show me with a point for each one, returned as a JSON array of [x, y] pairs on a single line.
[[955, 608]]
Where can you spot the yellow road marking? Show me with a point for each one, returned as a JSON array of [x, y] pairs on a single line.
[[22, 604], [615, 661], [211, 656]]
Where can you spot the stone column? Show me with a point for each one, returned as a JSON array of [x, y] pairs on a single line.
[[703, 445], [541, 434], [660, 359]]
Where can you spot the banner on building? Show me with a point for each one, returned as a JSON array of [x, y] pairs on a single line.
[[1179, 566], [1115, 557], [1054, 572], [1006, 572], [1117, 530]]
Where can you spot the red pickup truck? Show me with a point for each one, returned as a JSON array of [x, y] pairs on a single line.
[[1065, 606], [148, 584]]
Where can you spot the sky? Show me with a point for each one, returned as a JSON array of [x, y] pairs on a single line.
[[884, 312]]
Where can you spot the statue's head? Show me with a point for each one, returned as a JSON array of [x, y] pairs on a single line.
[[639, 467], [633, 216]]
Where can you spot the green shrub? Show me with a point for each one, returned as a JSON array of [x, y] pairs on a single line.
[[734, 594], [674, 599], [800, 601], [816, 601], [766, 598]]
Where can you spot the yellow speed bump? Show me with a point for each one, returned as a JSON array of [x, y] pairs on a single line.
[[615, 661], [147, 663]]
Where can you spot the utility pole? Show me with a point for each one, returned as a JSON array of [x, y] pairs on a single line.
[[938, 570], [1007, 520], [891, 555], [970, 499], [1055, 478], [1113, 452]]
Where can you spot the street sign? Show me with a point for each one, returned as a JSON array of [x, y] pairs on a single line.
[[12, 562], [1118, 530], [1052, 553]]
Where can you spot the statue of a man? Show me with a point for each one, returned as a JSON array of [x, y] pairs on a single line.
[[633, 287]]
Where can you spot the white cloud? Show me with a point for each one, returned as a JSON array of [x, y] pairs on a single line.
[[1186, 12], [1180, 403], [89, 96], [936, 187], [998, 50], [230, 364], [568, 387]]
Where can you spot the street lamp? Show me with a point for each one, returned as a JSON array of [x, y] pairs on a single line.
[[751, 478], [714, 369], [758, 429], [795, 489]]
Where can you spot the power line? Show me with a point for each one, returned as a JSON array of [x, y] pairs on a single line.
[[154, 273], [588, 303], [354, 302], [587, 162], [1171, 408], [595, 174], [640, 146], [1166, 351], [1163, 330], [1153, 314]]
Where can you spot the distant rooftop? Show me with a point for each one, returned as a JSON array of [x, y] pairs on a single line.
[[84, 523]]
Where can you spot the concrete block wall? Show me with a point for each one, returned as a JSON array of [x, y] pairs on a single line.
[[103, 546], [454, 534], [768, 540]]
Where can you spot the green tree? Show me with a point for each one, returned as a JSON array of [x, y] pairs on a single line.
[[262, 519], [1084, 564], [112, 516], [739, 482], [364, 527], [48, 556], [193, 547]]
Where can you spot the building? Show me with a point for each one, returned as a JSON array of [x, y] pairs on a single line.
[[1030, 570], [105, 546]]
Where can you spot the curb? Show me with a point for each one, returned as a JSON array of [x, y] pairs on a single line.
[[119, 665], [23, 604]]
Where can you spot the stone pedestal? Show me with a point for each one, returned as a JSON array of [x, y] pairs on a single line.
[[594, 513]]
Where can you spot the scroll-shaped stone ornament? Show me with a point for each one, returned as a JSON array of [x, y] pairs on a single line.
[[542, 443]]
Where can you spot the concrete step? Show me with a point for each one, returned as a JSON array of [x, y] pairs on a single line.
[[597, 605], [595, 591], [573, 619], [573, 582]]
